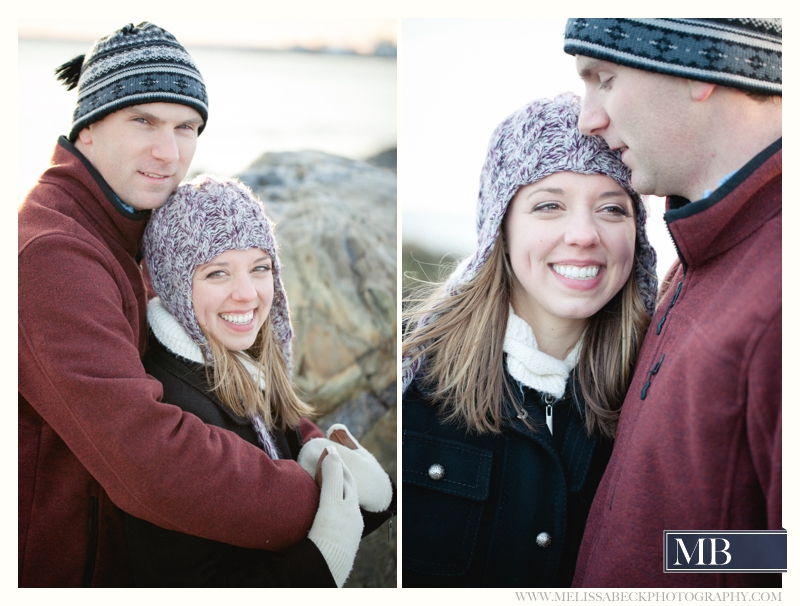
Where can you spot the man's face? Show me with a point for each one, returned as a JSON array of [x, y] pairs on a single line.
[[648, 117], [143, 151]]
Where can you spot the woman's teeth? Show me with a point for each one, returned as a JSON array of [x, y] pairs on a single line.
[[238, 318], [577, 273]]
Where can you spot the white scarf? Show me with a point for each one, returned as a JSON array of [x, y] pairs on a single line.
[[532, 367], [171, 335]]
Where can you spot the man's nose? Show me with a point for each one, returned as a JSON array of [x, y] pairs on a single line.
[[165, 147], [593, 119]]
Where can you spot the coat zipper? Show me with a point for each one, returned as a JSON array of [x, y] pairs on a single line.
[[677, 250], [549, 400]]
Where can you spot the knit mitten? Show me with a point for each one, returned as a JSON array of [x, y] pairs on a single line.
[[372, 482], [337, 528]]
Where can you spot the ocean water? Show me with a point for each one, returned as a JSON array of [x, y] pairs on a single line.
[[259, 101]]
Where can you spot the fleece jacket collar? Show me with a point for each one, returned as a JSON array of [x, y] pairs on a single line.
[[71, 172], [739, 207]]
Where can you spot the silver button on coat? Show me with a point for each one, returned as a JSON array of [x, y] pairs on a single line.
[[435, 472], [543, 539]]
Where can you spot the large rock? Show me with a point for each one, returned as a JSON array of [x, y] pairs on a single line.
[[336, 223], [376, 560], [337, 230]]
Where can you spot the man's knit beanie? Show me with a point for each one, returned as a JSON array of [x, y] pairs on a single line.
[[134, 65], [538, 140], [739, 53], [201, 220]]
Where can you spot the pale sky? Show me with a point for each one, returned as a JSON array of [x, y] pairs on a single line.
[[355, 127], [460, 78], [361, 35]]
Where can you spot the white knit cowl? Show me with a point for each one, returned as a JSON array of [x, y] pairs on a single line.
[[534, 368]]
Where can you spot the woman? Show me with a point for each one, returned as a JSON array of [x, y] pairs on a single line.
[[514, 369], [220, 344]]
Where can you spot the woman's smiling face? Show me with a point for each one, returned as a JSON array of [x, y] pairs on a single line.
[[570, 238], [232, 296]]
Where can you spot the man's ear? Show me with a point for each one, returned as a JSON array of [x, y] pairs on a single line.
[[85, 135], [700, 91]]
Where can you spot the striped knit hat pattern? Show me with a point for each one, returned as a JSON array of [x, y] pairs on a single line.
[[202, 219], [739, 53], [538, 140], [134, 65]]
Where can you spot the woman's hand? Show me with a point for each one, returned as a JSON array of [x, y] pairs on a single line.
[[372, 482], [318, 474], [340, 437], [336, 530]]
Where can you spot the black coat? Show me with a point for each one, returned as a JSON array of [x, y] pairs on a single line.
[[166, 558], [478, 525]]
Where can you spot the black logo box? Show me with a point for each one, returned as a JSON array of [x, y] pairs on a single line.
[[725, 551]]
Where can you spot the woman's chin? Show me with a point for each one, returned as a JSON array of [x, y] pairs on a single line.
[[237, 341]]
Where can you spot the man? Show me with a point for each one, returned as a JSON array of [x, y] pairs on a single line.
[[694, 105], [93, 435]]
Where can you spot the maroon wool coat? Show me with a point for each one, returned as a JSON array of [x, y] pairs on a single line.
[[93, 435], [699, 447]]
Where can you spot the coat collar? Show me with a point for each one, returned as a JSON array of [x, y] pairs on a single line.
[[72, 171], [704, 229]]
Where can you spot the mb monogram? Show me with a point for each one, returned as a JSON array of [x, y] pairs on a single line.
[[729, 551]]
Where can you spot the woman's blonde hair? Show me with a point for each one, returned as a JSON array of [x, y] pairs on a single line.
[[463, 371], [277, 403]]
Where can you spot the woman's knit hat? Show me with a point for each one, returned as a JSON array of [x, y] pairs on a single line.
[[538, 140], [134, 65], [201, 220], [740, 53]]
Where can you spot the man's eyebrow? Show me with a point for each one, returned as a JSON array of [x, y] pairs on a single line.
[[588, 67], [135, 109], [193, 121]]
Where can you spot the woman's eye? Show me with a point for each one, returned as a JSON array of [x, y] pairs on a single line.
[[546, 206], [263, 268], [615, 210], [216, 274]]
